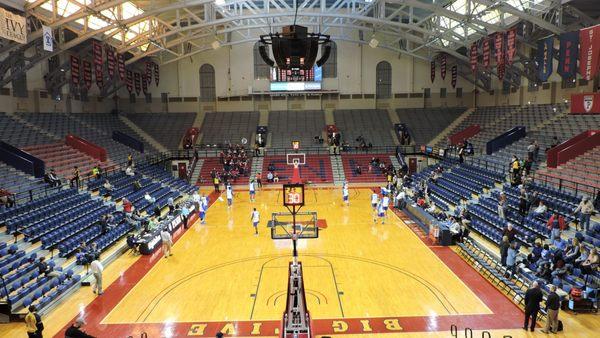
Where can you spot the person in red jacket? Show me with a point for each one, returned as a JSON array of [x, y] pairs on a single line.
[[126, 206], [556, 224]]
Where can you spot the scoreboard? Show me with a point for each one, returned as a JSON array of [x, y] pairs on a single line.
[[293, 195]]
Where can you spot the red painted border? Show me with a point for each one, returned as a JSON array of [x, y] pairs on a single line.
[[506, 315]]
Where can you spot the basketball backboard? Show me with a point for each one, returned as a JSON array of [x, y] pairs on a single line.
[[296, 158]]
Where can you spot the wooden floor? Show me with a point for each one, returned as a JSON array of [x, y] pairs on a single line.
[[361, 278]]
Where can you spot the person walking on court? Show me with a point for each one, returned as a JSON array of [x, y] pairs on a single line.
[[345, 193], [229, 192], [202, 212], [34, 324], [185, 213], [97, 269], [552, 308], [216, 183], [533, 298], [251, 190], [374, 201], [255, 218], [167, 242]]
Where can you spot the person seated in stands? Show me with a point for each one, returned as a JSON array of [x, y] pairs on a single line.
[[358, 169], [133, 244], [510, 232], [556, 224], [270, 176], [74, 181], [130, 160], [559, 243], [546, 255], [573, 251], [275, 177], [149, 198], [271, 167], [95, 172], [540, 209], [52, 179], [511, 259], [45, 269], [6, 200], [108, 188], [590, 264], [431, 209], [455, 230], [93, 253], [129, 171]]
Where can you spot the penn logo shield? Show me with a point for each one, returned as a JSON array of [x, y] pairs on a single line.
[[588, 103]]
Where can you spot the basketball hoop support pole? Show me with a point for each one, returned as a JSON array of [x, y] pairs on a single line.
[[293, 211]]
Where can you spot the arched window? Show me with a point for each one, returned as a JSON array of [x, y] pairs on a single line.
[[330, 67], [261, 69], [383, 84], [207, 83]]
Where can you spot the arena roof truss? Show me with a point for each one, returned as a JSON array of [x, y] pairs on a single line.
[[169, 30]]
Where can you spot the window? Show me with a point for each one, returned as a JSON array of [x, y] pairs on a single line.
[[383, 84], [329, 69], [261, 69], [207, 83]]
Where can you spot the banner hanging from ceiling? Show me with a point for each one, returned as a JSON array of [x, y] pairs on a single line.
[[511, 45], [121, 66], [432, 71], [98, 69], [473, 56], [87, 74], [589, 52], [149, 68], [544, 56], [110, 61], [454, 76], [568, 54], [129, 81], [12, 26], [499, 49], [144, 84], [156, 73], [486, 53], [443, 67], [137, 79], [75, 70]]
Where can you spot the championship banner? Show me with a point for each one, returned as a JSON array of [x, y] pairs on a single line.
[[97, 50], [149, 68], [511, 45], [144, 84], [156, 72], [443, 67], [589, 52], [87, 74], [587, 103], [501, 68], [74, 70], [136, 76], [473, 56], [499, 47], [454, 76], [111, 62], [568, 55], [432, 71], [129, 81], [486, 52], [544, 58], [121, 67], [13, 26]]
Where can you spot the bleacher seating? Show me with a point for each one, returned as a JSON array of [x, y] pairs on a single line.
[[224, 127], [316, 170], [373, 124], [425, 123], [214, 163], [18, 134], [580, 174], [351, 161], [166, 128], [15, 181], [288, 126], [62, 158]]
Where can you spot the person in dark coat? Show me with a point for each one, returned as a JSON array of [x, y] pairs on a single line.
[[74, 331], [533, 298], [552, 308], [504, 250]]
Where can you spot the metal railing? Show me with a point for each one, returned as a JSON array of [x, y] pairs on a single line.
[[565, 185]]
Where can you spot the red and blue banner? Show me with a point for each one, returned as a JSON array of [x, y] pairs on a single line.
[[110, 61], [443, 67], [499, 49], [473, 56], [568, 55], [432, 71], [87, 74], [486, 53], [129, 81], [156, 73], [121, 67], [545, 52], [136, 77], [74, 70], [97, 50], [454, 75], [149, 68], [589, 52], [145, 82], [511, 45]]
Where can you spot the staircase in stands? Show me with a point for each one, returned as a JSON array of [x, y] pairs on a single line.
[[337, 168]]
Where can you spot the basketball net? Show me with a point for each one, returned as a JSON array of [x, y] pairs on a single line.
[[296, 174]]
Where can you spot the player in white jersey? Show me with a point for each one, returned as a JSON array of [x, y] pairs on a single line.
[[380, 213], [345, 193], [202, 213], [374, 200], [204, 200], [385, 201], [255, 218], [252, 190], [229, 193]]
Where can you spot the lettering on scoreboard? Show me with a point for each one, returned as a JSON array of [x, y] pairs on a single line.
[[293, 195]]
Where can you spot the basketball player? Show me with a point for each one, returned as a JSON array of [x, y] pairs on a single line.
[[204, 202], [251, 190], [381, 212], [202, 213], [385, 201], [255, 218], [229, 191], [374, 201], [345, 193]]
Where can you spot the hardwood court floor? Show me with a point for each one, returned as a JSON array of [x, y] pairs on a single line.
[[360, 277]]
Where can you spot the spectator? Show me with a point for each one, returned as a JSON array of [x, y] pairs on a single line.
[[216, 183], [591, 263], [585, 209], [129, 160], [52, 179], [556, 224], [455, 230], [167, 242], [523, 202], [511, 259], [127, 206], [137, 186], [552, 308], [95, 172], [33, 322], [559, 243], [6, 200], [530, 151], [573, 251], [501, 205], [129, 171], [510, 232], [74, 331], [96, 268], [258, 178], [185, 212], [171, 205], [108, 188], [149, 198], [533, 298], [504, 245], [45, 269], [74, 181], [275, 177], [536, 150], [540, 209]]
